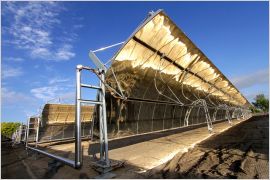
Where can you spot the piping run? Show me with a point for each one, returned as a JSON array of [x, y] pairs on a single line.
[[107, 47]]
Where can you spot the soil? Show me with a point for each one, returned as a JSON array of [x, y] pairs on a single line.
[[240, 152], [12, 163]]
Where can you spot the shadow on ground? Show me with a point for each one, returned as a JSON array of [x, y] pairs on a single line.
[[127, 141], [42, 167], [240, 152]]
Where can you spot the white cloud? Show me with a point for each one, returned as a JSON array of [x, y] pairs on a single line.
[[45, 93], [11, 97], [58, 87], [55, 91], [9, 71], [41, 52], [58, 80], [255, 78], [78, 26], [14, 59], [33, 28], [64, 53]]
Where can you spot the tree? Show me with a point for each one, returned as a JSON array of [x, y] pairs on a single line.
[[261, 103], [8, 128]]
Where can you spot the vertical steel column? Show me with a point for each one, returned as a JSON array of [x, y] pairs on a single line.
[[27, 133], [37, 130], [101, 128], [104, 119], [20, 133], [78, 156]]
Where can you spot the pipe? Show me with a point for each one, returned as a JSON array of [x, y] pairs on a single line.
[[110, 46], [61, 159]]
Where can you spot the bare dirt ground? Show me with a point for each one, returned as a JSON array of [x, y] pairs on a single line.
[[12, 164], [240, 152]]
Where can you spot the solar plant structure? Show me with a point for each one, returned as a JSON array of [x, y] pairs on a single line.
[[159, 79], [20, 134], [57, 122], [33, 127]]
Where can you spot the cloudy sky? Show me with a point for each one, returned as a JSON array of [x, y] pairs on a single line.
[[43, 42]]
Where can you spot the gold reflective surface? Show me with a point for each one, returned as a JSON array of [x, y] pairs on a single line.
[[161, 80], [161, 50]]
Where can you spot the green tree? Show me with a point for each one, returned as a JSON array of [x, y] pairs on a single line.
[[8, 128], [261, 103]]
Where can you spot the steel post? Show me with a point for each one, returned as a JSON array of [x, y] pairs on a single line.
[[37, 130], [20, 133], [78, 156], [101, 128], [104, 119], [27, 133]]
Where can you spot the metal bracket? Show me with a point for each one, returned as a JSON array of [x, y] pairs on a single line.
[[105, 171]]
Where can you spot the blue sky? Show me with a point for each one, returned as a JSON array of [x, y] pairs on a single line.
[[43, 42]]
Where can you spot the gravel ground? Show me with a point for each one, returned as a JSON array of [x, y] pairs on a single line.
[[240, 152]]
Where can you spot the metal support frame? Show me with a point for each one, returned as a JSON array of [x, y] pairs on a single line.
[[27, 134], [20, 132], [226, 108], [103, 165], [202, 103], [17, 135], [77, 163], [104, 156], [37, 131], [215, 114]]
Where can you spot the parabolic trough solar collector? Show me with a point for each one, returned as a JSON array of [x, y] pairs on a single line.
[[159, 80], [161, 74]]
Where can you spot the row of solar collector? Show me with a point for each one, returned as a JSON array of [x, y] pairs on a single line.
[[44, 129]]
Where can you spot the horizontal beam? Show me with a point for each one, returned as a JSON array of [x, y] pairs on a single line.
[[59, 158], [90, 86], [89, 101]]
